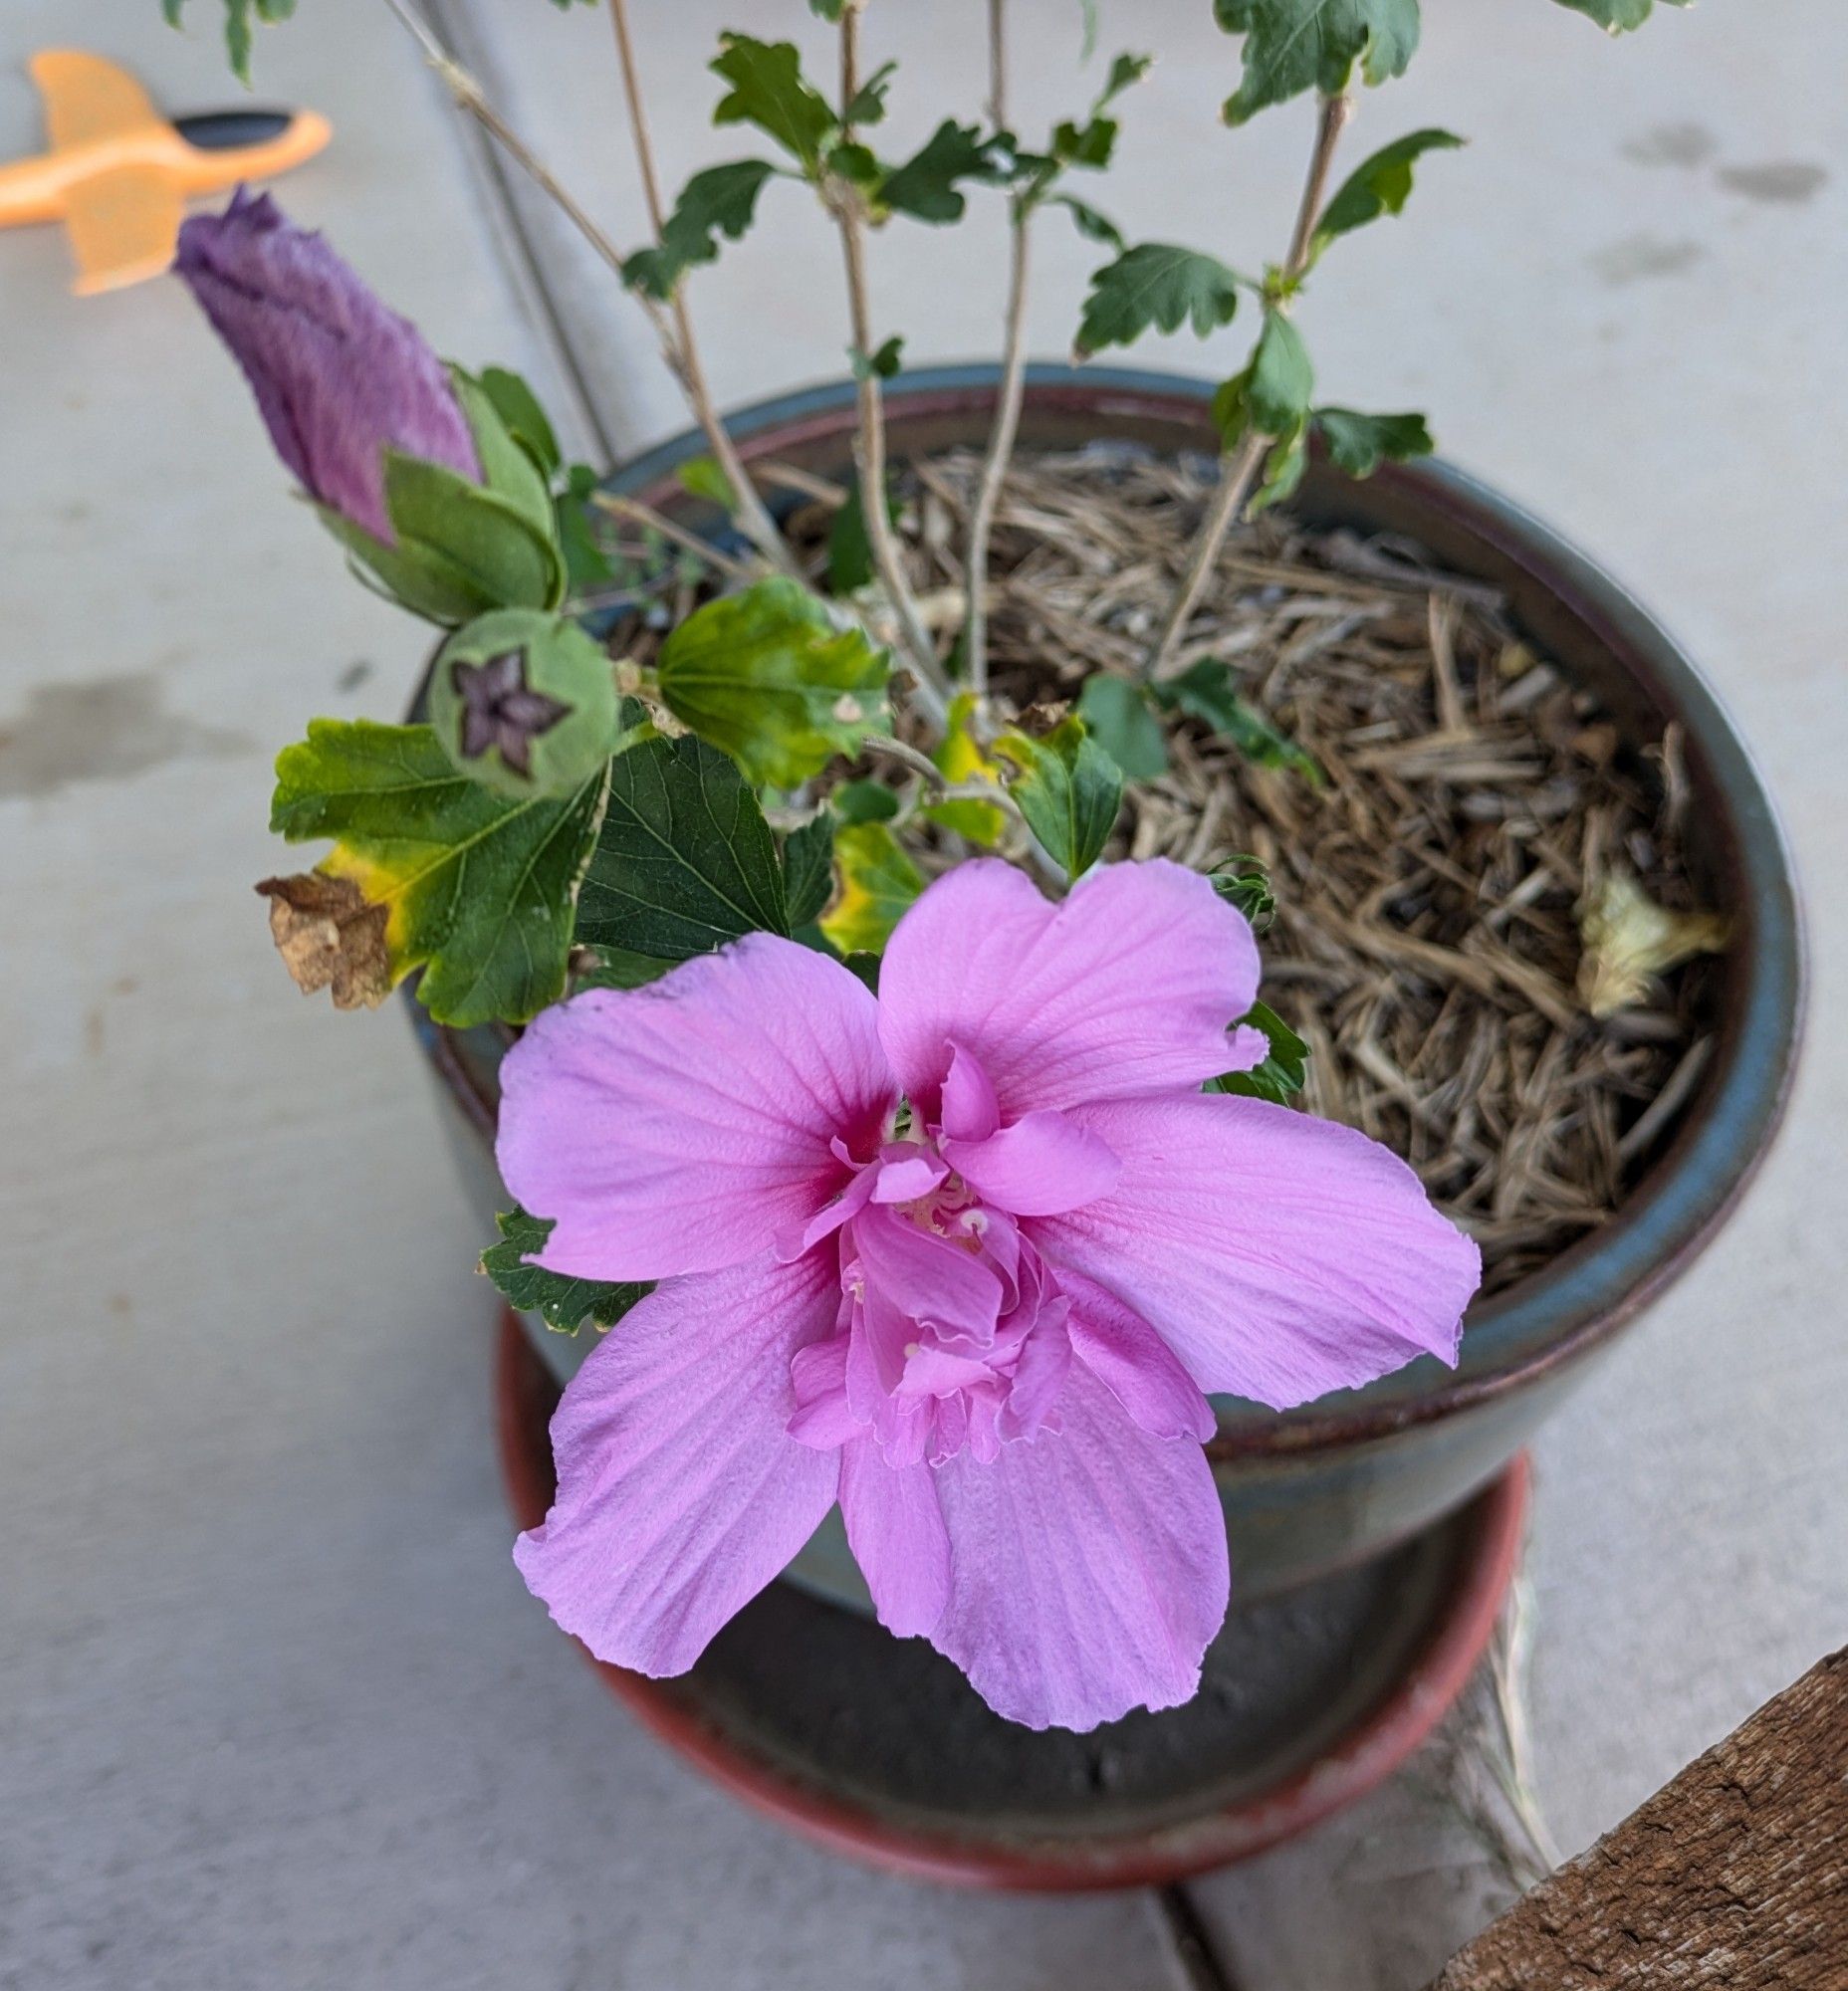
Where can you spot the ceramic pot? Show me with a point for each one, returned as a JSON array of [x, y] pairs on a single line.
[[1342, 1480]]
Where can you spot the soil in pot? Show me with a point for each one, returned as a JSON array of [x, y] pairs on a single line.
[[1450, 818]]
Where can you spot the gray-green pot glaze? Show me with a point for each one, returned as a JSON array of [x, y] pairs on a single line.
[[1340, 1480]]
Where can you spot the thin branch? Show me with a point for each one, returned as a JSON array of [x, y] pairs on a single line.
[[1012, 381], [933, 686], [1239, 472], [758, 526], [885, 746], [637, 513], [471, 97]]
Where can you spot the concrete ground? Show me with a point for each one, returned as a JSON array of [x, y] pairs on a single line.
[[275, 1709]]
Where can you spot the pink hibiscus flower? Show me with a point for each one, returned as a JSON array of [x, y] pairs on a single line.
[[963, 1258]]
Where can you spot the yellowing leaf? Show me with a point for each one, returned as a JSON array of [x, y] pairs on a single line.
[[963, 761], [877, 883], [479, 888]]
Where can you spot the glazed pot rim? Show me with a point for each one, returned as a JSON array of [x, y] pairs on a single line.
[[1604, 1279]]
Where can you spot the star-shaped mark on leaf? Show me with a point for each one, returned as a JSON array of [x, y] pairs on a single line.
[[499, 708]]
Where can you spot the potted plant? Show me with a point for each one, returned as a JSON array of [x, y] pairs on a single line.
[[830, 859]]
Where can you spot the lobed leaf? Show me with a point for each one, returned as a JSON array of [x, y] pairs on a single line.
[[768, 90], [561, 1301], [927, 186], [1281, 1075], [1291, 46], [1358, 444], [770, 678], [721, 200], [1616, 17], [878, 882], [1379, 185], [1069, 789], [1209, 692], [882, 364], [685, 861], [1156, 284], [867, 103], [479, 887]]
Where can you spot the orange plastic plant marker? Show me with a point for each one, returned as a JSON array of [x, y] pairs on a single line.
[[118, 175]]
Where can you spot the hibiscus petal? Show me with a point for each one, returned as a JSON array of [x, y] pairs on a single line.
[[1124, 989], [1043, 1163], [682, 1493], [896, 1532], [1137, 1366], [1279, 1255], [1088, 1567], [680, 1127]]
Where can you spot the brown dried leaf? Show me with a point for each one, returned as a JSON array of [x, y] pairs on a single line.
[[329, 936]]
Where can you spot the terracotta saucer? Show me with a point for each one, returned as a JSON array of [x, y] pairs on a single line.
[[877, 1747]]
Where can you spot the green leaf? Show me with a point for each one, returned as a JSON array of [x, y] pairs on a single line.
[[239, 15], [877, 883], [1089, 221], [867, 103], [1123, 723], [1284, 1067], [1156, 284], [1244, 882], [479, 886], [808, 868], [865, 801], [1069, 789], [586, 565], [1284, 469], [879, 365], [701, 477], [1296, 45], [721, 200], [1125, 70], [926, 186], [561, 1301], [1616, 17], [685, 861], [768, 676], [1360, 444], [849, 551], [1379, 185], [527, 422], [1280, 380], [826, 10], [441, 518], [769, 91], [1208, 690], [616, 968], [963, 761]]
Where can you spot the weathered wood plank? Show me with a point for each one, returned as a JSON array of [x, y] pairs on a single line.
[[1733, 1878]]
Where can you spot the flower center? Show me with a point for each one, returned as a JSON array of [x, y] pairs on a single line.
[[951, 1330]]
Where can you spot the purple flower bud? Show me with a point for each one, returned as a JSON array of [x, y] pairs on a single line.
[[339, 377]]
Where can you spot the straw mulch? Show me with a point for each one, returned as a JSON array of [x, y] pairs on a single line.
[[1427, 941]]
